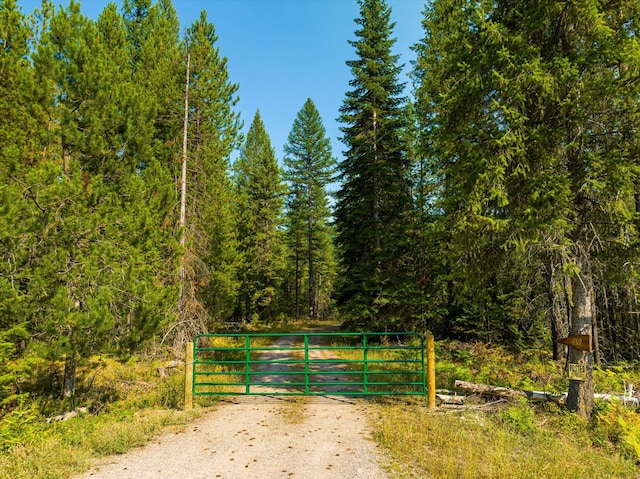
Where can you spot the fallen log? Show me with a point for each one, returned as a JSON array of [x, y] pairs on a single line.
[[626, 400], [487, 390], [450, 399], [497, 391], [65, 416]]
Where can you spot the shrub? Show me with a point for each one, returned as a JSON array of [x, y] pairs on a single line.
[[22, 425], [620, 426], [519, 418]]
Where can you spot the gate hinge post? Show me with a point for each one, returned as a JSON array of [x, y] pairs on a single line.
[[188, 377]]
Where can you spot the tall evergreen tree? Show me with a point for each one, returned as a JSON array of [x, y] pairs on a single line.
[[157, 65], [101, 253], [214, 131], [374, 198], [17, 145], [530, 111], [309, 169], [296, 243], [18, 148], [260, 195]]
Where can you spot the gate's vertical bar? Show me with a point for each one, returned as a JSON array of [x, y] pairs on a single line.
[[188, 377], [306, 364], [423, 347], [365, 367], [247, 365], [431, 372]]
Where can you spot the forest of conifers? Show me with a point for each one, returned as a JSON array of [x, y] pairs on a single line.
[[499, 202]]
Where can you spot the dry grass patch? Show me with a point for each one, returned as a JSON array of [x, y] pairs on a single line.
[[293, 410], [66, 449], [506, 444]]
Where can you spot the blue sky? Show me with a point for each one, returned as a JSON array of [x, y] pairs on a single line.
[[282, 52]]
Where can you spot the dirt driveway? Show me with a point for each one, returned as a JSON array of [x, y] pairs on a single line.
[[260, 437]]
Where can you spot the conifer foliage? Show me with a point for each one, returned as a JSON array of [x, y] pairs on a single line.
[[90, 126], [501, 203], [260, 195], [210, 258], [309, 170], [530, 109], [374, 199]]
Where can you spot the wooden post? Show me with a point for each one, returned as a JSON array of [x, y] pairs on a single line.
[[431, 372], [188, 378]]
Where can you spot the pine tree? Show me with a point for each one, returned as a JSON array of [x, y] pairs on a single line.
[[374, 198], [214, 131], [18, 148], [529, 110], [296, 242], [101, 252], [157, 66], [309, 169], [18, 145], [260, 195]]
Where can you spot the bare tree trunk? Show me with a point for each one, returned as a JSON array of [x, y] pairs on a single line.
[[297, 286], [183, 192]]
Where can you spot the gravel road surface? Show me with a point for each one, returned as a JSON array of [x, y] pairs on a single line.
[[260, 437]]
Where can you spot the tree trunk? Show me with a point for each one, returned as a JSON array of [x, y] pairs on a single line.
[[556, 312], [376, 193], [610, 324], [580, 398], [66, 159], [310, 252], [183, 198], [297, 281], [596, 332], [69, 380]]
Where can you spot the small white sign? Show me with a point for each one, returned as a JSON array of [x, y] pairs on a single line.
[[577, 372]]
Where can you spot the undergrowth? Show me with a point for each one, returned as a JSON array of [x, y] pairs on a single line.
[[512, 439], [518, 441], [123, 405], [120, 405], [128, 403]]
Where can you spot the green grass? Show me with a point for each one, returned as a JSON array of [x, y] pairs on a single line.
[[471, 444], [515, 439], [520, 441], [130, 404], [60, 450]]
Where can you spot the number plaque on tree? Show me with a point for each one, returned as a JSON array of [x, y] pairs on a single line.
[[577, 372]]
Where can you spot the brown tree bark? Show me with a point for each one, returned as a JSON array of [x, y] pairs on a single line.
[[580, 398]]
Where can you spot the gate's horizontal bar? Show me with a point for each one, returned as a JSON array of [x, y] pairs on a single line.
[[309, 334], [305, 361], [310, 373], [315, 393], [310, 348]]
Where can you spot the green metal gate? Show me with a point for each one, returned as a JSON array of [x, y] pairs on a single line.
[[309, 364]]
